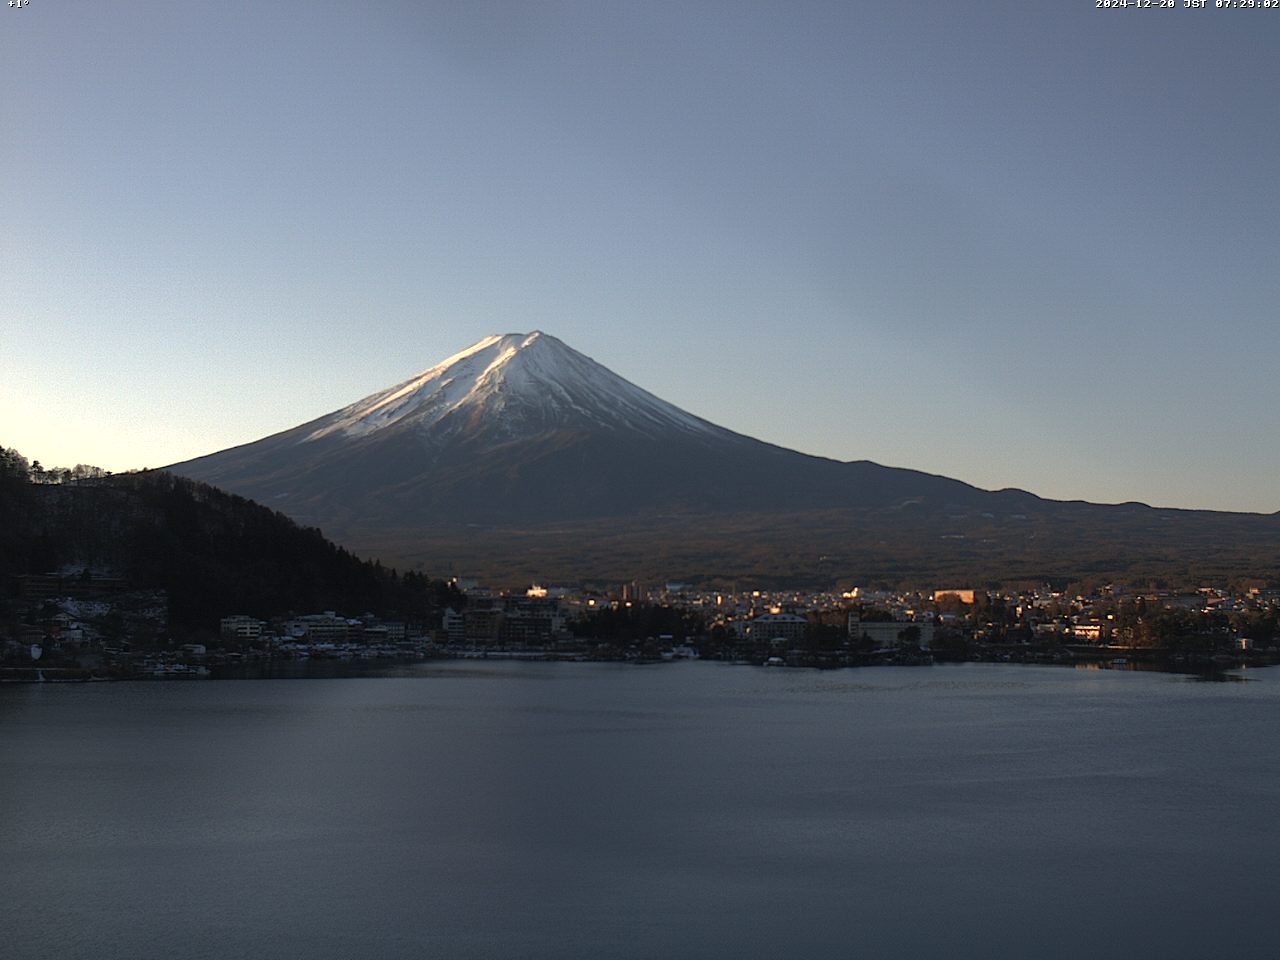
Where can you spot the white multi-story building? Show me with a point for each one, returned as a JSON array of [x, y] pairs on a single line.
[[325, 627], [778, 626], [891, 633], [240, 628]]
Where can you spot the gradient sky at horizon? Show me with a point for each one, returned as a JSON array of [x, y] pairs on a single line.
[[1030, 245]]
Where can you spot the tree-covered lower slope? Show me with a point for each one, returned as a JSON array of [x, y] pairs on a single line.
[[915, 545], [213, 552]]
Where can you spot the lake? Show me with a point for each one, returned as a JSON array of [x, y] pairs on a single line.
[[467, 809]]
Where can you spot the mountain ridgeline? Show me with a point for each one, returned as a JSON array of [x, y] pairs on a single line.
[[521, 458], [213, 552], [523, 429]]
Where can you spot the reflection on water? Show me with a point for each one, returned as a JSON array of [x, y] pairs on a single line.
[[599, 811], [1220, 676], [1207, 672]]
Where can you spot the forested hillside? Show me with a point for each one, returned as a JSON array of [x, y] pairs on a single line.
[[213, 552]]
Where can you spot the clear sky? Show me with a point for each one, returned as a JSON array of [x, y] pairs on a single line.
[[1029, 244]]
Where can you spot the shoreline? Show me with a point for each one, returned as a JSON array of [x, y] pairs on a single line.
[[1134, 660]]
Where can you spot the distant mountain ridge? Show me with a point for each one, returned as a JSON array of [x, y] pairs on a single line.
[[522, 427], [519, 435]]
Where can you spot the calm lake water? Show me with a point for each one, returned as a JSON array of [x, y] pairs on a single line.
[[469, 809]]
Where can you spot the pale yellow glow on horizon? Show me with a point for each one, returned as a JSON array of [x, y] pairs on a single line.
[[60, 435]]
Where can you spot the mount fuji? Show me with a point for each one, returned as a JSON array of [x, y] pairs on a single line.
[[521, 457]]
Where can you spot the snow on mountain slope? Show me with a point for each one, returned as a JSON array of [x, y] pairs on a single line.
[[522, 455], [514, 384], [522, 428]]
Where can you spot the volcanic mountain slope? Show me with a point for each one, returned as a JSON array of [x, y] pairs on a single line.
[[525, 429], [521, 439]]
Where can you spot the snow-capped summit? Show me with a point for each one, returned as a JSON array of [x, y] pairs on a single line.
[[522, 429], [510, 384], [519, 455]]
